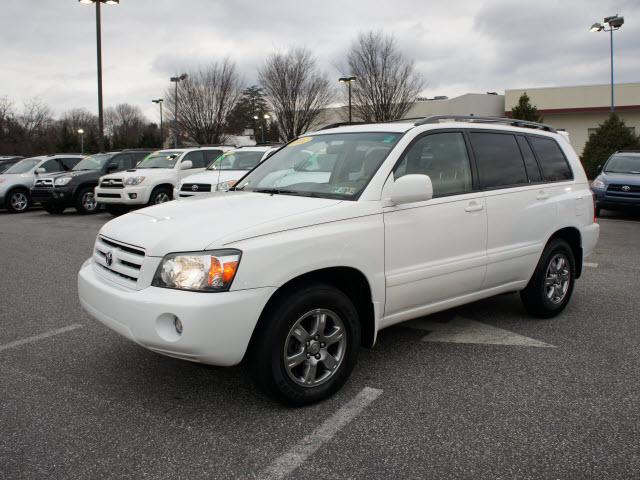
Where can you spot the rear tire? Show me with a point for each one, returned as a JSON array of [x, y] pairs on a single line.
[[549, 290], [53, 209], [306, 345], [86, 202], [18, 201], [160, 195], [116, 210]]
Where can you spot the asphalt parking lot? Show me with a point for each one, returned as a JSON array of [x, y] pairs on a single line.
[[483, 391]]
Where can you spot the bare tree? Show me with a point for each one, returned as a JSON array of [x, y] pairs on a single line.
[[124, 125], [205, 100], [296, 90], [36, 118], [387, 82]]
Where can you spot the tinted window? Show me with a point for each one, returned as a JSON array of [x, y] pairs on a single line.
[[211, 155], [533, 171], [69, 163], [442, 156], [554, 165], [197, 158], [121, 162], [51, 166], [499, 160]]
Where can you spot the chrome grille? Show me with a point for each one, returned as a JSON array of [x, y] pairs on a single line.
[[119, 261], [111, 183], [196, 187], [44, 182]]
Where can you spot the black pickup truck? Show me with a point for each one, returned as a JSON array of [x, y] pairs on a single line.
[[56, 192]]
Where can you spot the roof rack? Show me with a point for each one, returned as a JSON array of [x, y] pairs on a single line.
[[342, 124], [472, 119], [625, 150]]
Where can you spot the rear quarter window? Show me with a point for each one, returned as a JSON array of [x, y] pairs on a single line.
[[499, 160], [553, 163]]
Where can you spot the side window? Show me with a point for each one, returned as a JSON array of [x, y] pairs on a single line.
[[135, 158], [499, 159], [69, 163], [533, 171], [121, 162], [210, 156], [442, 156], [196, 157], [552, 161], [51, 166]]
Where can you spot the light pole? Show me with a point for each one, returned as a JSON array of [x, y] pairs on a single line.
[[348, 81], [614, 22], [159, 101], [81, 133], [176, 128], [99, 55], [264, 117]]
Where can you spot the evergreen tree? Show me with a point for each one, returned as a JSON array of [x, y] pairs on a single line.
[[525, 111], [610, 136], [251, 104]]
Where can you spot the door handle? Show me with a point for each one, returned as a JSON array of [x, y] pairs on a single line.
[[542, 195], [474, 207]]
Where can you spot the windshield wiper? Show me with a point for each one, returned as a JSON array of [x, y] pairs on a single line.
[[276, 191]]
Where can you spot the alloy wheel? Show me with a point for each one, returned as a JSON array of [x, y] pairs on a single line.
[[557, 277], [19, 201], [89, 202]]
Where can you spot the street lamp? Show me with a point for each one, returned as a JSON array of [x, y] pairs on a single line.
[[348, 81], [159, 102], [176, 129], [614, 22], [99, 55], [81, 133], [265, 117]]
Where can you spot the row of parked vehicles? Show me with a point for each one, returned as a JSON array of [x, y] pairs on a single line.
[[119, 181]]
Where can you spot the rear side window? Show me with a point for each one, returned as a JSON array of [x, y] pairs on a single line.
[[533, 171], [51, 166], [196, 158], [69, 163], [552, 161], [442, 156], [122, 162], [211, 155], [499, 160]]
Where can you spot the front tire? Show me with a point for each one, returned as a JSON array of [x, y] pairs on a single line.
[[18, 201], [306, 346], [160, 195], [549, 290], [86, 202]]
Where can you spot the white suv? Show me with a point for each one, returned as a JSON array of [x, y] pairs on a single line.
[[154, 178], [222, 173], [411, 219]]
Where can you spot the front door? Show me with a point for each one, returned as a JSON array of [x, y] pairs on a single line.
[[435, 251]]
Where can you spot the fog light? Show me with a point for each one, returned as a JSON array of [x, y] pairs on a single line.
[[133, 196], [178, 324]]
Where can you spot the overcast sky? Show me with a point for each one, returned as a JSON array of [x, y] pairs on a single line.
[[48, 46]]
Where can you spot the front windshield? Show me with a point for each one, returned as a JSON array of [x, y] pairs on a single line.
[[334, 165], [24, 166], [94, 162], [623, 164], [236, 160], [162, 159]]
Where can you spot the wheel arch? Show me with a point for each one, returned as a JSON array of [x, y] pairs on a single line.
[[573, 237], [167, 185], [82, 186], [351, 281]]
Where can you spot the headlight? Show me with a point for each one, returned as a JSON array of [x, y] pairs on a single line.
[[134, 180], [198, 271], [597, 183], [224, 186], [62, 181]]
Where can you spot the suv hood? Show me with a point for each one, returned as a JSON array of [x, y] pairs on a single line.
[[621, 178], [220, 219], [214, 176], [141, 172], [72, 173]]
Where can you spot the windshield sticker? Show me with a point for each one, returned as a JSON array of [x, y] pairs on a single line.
[[389, 139], [344, 190], [300, 141]]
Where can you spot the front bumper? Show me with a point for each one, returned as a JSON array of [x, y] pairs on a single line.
[[63, 196], [616, 200], [123, 196], [177, 194], [217, 327]]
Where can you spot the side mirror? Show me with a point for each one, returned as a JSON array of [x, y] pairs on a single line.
[[186, 165], [40, 170], [112, 167], [409, 189]]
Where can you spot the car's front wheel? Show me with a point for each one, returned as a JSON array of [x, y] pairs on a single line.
[[160, 195], [86, 202], [549, 290], [18, 201], [307, 345]]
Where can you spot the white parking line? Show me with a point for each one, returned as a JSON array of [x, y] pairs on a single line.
[[42, 336], [289, 461], [590, 264]]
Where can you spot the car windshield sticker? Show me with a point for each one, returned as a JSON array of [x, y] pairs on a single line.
[[300, 141]]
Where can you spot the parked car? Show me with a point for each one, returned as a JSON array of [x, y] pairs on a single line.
[[17, 180], [6, 162], [154, 179], [414, 218], [223, 172], [618, 185], [58, 191]]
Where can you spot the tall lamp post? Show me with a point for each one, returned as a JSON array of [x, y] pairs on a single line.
[[176, 128], [614, 22], [348, 81], [81, 133], [159, 101], [99, 55], [264, 117]]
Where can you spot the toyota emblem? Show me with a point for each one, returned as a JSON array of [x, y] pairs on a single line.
[[626, 188], [108, 258], [194, 188]]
